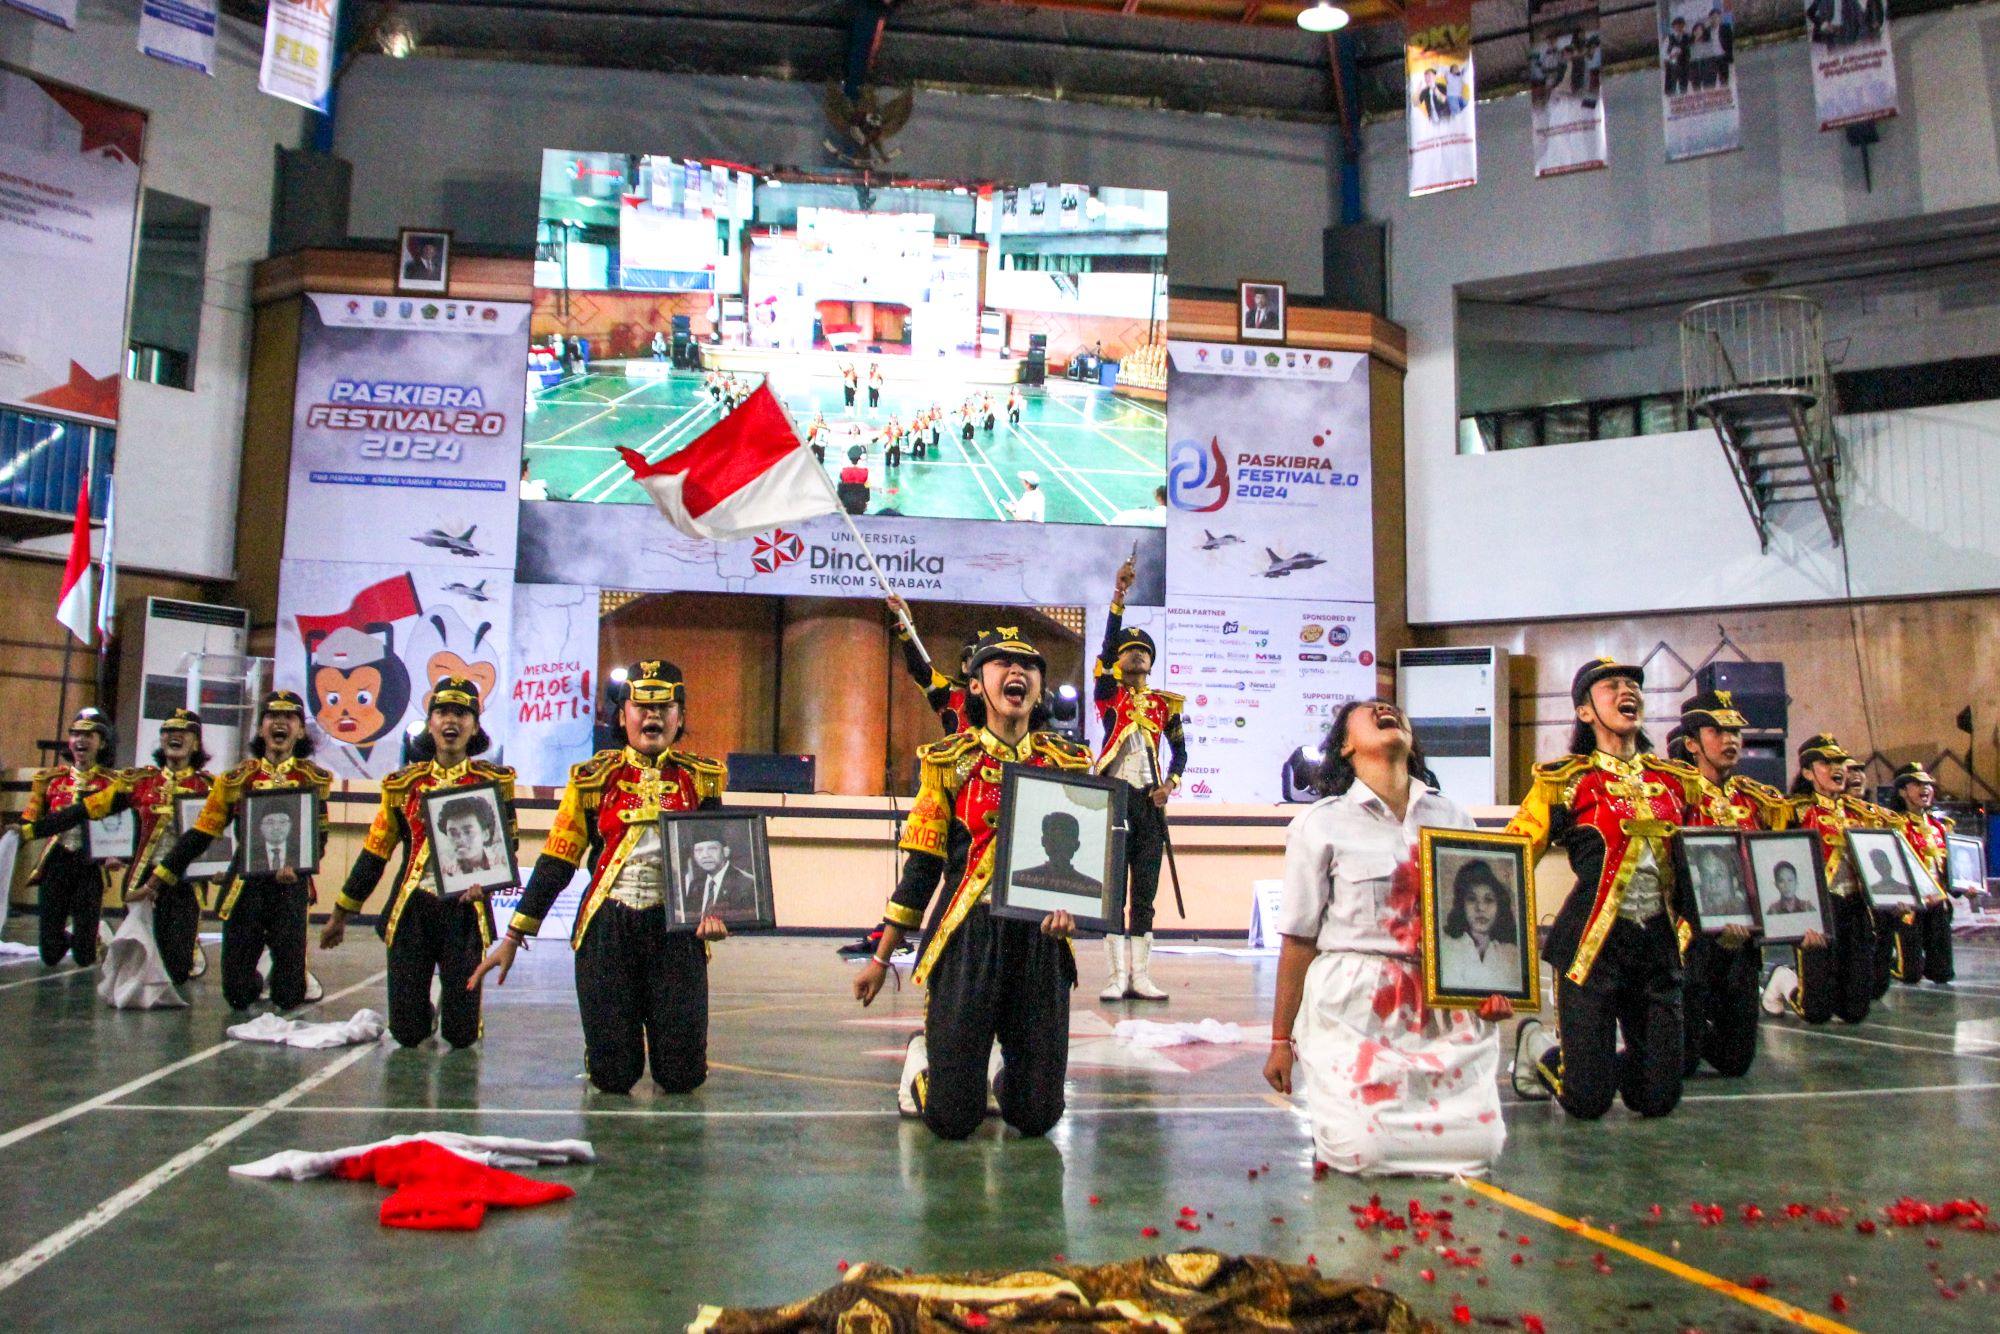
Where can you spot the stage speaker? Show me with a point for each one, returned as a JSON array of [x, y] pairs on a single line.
[[1038, 345], [1356, 274], [309, 197], [751, 772], [1756, 688], [1764, 759]]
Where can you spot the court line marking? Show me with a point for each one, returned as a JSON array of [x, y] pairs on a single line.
[[1145, 408], [999, 510], [671, 1113], [46, 977], [70, 1113], [106, 1212], [1701, 1278], [1876, 1042], [1960, 1043], [1804, 1094], [617, 465], [610, 406], [1040, 448], [1101, 431]]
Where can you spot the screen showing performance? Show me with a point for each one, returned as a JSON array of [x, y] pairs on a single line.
[[947, 349]]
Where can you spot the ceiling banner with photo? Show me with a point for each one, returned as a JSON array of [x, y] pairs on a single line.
[[1698, 78], [1565, 86], [1853, 68], [1437, 58]]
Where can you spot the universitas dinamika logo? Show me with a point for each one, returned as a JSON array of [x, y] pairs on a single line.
[[776, 551], [1197, 478]]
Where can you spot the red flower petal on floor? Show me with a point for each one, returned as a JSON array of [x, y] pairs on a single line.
[[1461, 1314], [1837, 1303], [1149, 1232], [1312, 1260], [1278, 1219], [1520, 1259], [1752, 1214], [1059, 1258], [1253, 1174], [1934, 1243], [1428, 1275], [1865, 1227], [1095, 1200], [1757, 1283], [841, 1266], [1189, 1211], [1521, 1240], [1532, 1324], [1656, 1211]]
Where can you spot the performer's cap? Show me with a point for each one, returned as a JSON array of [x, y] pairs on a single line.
[[456, 690], [655, 681], [1913, 772], [1133, 637], [1004, 641], [181, 720], [1822, 746], [90, 720], [1713, 708], [1600, 669], [282, 701], [1030, 478]]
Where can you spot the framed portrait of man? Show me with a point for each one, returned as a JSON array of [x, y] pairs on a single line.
[[1788, 883], [1060, 847], [221, 851], [718, 864], [1713, 867], [115, 838], [1966, 867], [278, 828], [423, 260], [1478, 896], [469, 847], [1261, 312], [1888, 874]]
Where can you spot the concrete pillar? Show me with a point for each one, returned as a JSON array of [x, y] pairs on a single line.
[[830, 692]]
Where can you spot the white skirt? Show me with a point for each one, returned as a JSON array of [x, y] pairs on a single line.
[[1393, 1088]]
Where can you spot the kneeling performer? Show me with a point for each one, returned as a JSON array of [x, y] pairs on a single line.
[[642, 989], [989, 978]]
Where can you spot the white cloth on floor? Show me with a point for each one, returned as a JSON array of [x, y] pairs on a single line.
[[491, 1150], [133, 976], [1147, 1033], [365, 1026], [10, 847]]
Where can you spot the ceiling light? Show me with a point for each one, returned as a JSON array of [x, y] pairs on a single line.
[[398, 41], [1323, 17]]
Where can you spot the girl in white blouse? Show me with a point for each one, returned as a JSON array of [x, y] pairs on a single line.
[[1391, 1087]]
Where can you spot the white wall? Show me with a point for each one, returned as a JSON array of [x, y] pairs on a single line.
[[1544, 514], [458, 144], [210, 140]]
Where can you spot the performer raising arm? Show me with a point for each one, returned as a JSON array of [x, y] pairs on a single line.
[[945, 694], [425, 933], [642, 990]]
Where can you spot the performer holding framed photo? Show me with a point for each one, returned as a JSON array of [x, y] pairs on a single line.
[[1061, 847], [719, 863], [1839, 980], [1392, 1084], [69, 884], [1788, 881], [1929, 837]]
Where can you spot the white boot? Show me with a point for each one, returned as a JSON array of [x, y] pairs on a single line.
[[994, 1065], [1114, 959], [916, 1060], [1142, 984], [1778, 991]]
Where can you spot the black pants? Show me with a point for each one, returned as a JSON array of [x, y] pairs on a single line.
[[848, 391], [892, 457], [267, 916], [439, 936], [1634, 987], [1934, 922], [176, 929], [1840, 980], [1899, 951], [1719, 1000], [874, 396], [71, 896], [997, 978], [642, 991], [1145, 846]]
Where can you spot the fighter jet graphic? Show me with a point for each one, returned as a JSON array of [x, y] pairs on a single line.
[[476, 592], [460, 545], [1284, 565], [1213, 543]]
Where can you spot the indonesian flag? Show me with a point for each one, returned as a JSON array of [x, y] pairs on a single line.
[[746, 474], [79, 602]]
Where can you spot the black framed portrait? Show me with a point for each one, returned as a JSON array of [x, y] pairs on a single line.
[[1713, 865], [278, 828], [216, 858], [1261, 312], [469, 846], [115, 838], [1060, 846], [1788, 881], [1887, 871], [717, 864], [1966, 865], [423, 260], [1478, 893]]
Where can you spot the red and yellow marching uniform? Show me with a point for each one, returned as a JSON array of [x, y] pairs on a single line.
[[219, 811], [1739, 803], [399, 821], [1840, 980], [69, 886], [1926, 834]]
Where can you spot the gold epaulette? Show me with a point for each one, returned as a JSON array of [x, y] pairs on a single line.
[[1762, 793], [1174, 702], [596, 771], [940, 760], [46, 776], [1561, 770], [1881, 815], [1945, 820], [318, 777], [400, 782], [1065, 753], [1678, 768], [710, 776], [491, 773], [237, 777]]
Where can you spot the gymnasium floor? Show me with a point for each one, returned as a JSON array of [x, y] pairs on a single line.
[[1096, 453], [116, 1210]]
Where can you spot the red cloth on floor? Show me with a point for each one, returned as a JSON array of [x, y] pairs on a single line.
[[437, 1190]]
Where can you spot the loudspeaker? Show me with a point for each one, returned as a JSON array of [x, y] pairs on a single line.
[[749, 772], [309, 194], [1764, 760], [1038, 345], [1356, 273], [1756, 688]]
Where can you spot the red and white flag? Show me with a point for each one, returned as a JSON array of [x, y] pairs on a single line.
[[79, 602], [746, 474]]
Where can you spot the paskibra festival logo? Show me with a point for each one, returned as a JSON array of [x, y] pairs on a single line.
[[1197, 480]]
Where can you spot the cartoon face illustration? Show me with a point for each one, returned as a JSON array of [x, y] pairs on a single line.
[[358, 686], [442, 645]]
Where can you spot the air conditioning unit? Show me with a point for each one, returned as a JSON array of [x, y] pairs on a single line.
[[1457, 702]]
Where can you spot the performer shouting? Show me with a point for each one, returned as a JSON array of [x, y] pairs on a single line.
[[1136, 720], [69, 885], [1840, 979], [179, 769], [1721, 995], [642, 990], [988, 978], [266, 910], [1615, 947], [945, 694], [1929, 939], [427, 934], [1409, 1090]]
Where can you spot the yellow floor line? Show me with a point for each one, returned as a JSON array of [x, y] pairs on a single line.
[[1701, 1278]]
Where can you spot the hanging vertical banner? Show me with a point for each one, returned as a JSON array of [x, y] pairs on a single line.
[[180, 32], [298, 51], [62, 13], [1437, 58], [1565, 78], [1698, 78], [1853, 70]]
